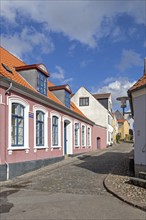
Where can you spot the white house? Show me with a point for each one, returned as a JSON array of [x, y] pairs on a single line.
[[137, 95], [97, 111]]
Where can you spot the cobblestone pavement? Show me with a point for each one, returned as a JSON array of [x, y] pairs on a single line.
[[81, 176], [117, 183]]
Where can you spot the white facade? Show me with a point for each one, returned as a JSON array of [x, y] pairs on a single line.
[[139, 105], [95, 111]]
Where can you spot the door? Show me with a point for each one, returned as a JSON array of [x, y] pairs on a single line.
[[65, 137]]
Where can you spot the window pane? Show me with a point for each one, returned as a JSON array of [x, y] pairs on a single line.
[[17, 124], [55, 130]]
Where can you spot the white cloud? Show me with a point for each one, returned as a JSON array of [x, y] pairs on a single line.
[[85, 63], [20, 43], [60, 75], [118, 87], [129, 59], [85, 21]]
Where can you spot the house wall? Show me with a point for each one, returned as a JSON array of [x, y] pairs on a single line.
[[99, 137], [20, 161], [139, 105], [95, 112]]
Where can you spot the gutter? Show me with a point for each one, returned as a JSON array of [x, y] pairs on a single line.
[[7, 164], [41, 98]]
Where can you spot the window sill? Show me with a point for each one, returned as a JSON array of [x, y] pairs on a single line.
[[40, 148], [55, 147], [10, 150], [76, 146]]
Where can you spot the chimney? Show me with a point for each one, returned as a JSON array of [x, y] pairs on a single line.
[[145, 66]]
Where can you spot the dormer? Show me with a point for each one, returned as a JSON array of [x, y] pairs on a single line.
[[36, 75], [63, 93]]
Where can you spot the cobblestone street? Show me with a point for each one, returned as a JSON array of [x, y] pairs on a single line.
[[71, 189]]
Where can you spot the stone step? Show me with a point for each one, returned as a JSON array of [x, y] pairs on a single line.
[[142, 175], [138, 182]]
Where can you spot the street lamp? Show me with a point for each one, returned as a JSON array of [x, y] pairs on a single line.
[[123, 101]]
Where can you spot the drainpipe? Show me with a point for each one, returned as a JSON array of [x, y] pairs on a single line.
[[7, 164], [7, 91]]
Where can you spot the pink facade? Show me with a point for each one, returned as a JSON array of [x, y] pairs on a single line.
[[15, 156], [99, 137]]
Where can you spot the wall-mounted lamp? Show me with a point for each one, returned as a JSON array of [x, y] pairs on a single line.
[[123, 101]]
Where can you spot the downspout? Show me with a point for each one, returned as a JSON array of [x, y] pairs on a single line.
[[7, 164], [7, 91]]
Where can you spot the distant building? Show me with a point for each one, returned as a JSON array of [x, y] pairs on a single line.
[[137, 95], [97, 111], [115, 127]]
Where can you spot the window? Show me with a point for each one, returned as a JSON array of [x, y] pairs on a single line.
[[55, 131], [17, 125], [89, 137], [77, 134], [67, 99], [39, 128], [42, 83], [83, 136], [84, 101], [109, 120]]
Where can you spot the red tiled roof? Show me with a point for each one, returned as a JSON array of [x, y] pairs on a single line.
[[140, 83], [13, 62], [121, 120]]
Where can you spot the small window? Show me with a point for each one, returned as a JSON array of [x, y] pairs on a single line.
[[42, 83], [7, 68], [84, 101], [76, 134], [54, 131], [67, 99], [89, 136], [17, 125], [83, 136], [39, 128]]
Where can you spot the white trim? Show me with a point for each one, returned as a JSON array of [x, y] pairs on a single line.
[[78, 145], [44, 110], [88, 145], [19, 100], [69, 149], [85, 136], [0, 98], [59, 129]]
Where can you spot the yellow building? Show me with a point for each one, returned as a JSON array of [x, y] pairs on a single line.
[[123, 129], [115, 127]]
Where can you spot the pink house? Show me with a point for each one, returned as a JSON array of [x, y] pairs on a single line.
[[39, 124]]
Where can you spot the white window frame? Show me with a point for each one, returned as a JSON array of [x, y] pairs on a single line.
[[85, 137], [42, 109], [21, 101], [78, 145], [59, 129], [88, 144]]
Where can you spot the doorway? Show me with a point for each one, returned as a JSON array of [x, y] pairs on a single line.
[[67, 137], [98, 142]]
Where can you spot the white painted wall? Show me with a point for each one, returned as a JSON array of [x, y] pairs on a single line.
[[95, 111], [139, 104]]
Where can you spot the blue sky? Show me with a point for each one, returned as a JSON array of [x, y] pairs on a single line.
[[100, 44]]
